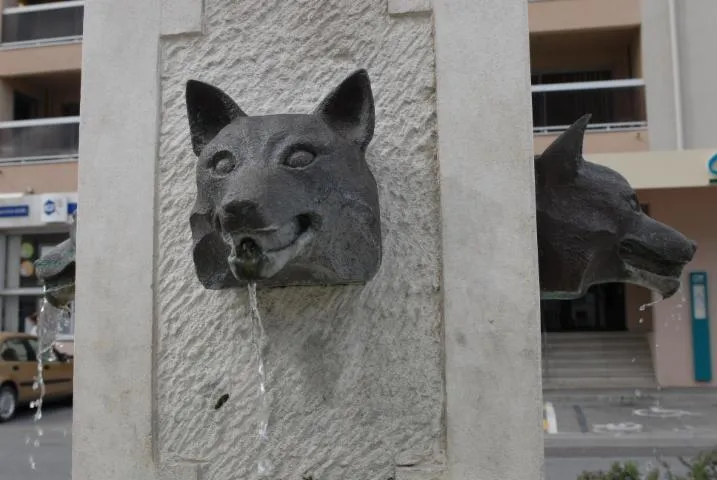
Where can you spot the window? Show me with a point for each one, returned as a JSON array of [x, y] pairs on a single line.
[[607, 105], [47, 356], [20, 289], [15, 350], [25, 107]]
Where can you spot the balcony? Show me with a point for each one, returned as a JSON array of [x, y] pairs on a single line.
[[43, 24], [617, 108], [44, 140]]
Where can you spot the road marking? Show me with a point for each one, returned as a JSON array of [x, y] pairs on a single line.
[[582, 420], [550, 419], [657, 412], [627, 427]]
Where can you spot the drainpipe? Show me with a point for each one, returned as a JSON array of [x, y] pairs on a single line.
[[676, 87]]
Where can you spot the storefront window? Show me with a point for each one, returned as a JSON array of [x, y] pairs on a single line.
[[21, 294]]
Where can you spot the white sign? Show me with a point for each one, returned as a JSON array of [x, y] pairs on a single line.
[[53, 209]]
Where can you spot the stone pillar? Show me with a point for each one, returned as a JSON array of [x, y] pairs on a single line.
[[491, 303], [114, 401], [356, 376]]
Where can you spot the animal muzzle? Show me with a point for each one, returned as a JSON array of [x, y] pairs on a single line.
[[259, 248], [656, 257]]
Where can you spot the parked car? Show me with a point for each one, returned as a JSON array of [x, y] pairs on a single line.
[[18, 370]]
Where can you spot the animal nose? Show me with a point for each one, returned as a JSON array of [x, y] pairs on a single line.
[[693, 244], [242, 215]]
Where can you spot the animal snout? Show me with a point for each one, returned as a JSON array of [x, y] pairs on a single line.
[[241, 215], [693, 244]]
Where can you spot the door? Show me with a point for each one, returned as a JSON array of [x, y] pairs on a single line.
[[57, 373], [17, 363]]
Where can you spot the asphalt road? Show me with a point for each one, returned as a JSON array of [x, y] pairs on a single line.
[[52, 456], [37, 451]]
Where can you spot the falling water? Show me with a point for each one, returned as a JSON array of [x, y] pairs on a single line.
[[257, 341], [50, 322], [651, 304]]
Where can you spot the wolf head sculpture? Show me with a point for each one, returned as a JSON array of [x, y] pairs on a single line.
[[284, 199], [592, 230], [56, 270]]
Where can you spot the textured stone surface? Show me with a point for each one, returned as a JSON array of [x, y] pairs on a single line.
[[354, 373]]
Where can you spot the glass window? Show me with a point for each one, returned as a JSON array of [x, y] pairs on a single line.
[[14, 350], [31, 248], [47, 356]]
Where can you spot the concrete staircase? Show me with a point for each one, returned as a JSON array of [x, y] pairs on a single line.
[[597, 360]]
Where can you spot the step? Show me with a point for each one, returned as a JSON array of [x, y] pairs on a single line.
[[591, 340], [599, 362], [567, 372], [595, 382]]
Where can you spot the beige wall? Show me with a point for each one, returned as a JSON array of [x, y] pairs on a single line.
[[563, 15], [698, 70], [686, 210], [43, 178], [39, 60], [602, 142]]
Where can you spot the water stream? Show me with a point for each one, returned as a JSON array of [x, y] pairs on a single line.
[[50, 322], [264, 466]]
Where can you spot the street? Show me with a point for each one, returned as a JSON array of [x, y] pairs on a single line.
[[590, 431], [42, 451], [590, 434]]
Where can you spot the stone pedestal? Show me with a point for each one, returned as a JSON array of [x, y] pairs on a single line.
[[431, 370]]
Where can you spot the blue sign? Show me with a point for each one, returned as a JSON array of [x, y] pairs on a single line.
[[701, 349], [7, 211], [712, 164], [49, 207], [71, 208]]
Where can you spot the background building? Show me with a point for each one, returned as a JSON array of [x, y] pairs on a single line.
[[40, 62], [645, 70]]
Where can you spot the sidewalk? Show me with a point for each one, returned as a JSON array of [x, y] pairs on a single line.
[[625, 422]]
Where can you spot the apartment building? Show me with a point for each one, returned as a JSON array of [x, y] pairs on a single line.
[[40, 62], [645, 70]]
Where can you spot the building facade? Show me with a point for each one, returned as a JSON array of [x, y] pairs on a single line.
[[40, 63], [645, 70]]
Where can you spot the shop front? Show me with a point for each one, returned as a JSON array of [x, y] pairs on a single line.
[[29, 226]]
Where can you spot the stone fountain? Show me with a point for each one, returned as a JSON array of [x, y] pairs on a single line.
[[422, 360]]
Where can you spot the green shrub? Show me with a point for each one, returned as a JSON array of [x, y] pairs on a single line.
[[702, 467]]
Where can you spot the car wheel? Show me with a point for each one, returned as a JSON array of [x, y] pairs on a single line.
[[8, 402]]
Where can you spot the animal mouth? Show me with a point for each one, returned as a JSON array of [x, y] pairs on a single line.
[[651, 269], [262, 253]]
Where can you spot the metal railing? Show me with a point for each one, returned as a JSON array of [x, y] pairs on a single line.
[[57, 22], [615, 105], [41, 140]]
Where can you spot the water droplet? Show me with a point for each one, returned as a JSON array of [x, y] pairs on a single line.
[[642, 320], [33, 466]]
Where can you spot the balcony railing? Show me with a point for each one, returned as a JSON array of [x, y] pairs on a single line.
[[41, 140], [57, 22], [615, 105]]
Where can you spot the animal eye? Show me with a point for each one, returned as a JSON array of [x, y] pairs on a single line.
[[222, 163], [299, 159], [634, 203]]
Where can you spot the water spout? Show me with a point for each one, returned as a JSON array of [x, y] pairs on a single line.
[[56, 270], [264, 466]]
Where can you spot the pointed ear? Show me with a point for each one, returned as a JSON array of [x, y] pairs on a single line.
[[208, 110], [560, 161], [349, 109]]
